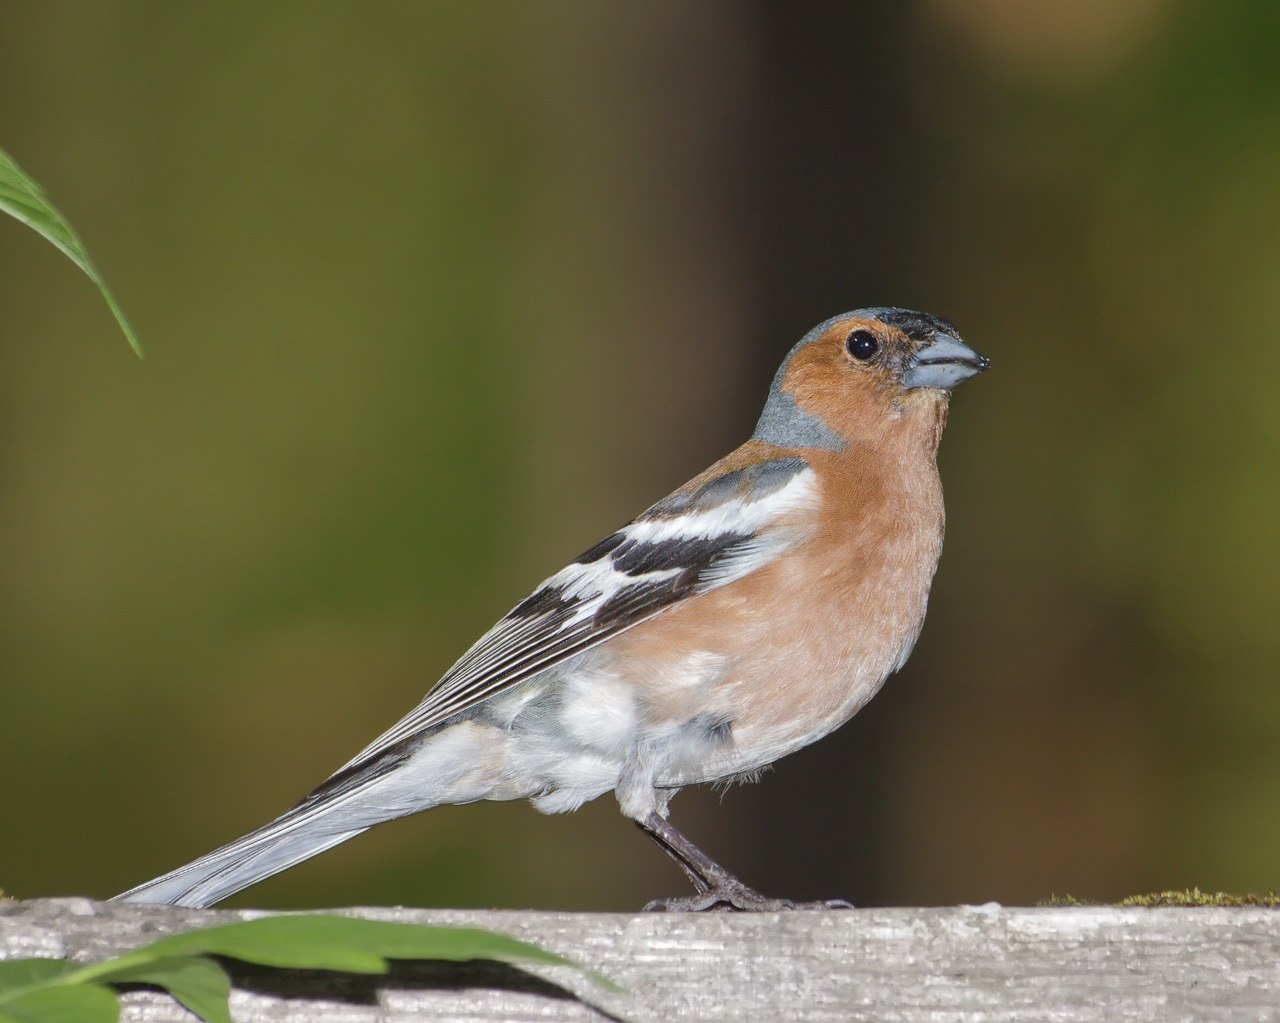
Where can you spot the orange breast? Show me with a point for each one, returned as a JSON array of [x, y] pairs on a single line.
[[792, 651]]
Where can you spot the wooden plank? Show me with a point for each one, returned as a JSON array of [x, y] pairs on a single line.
[[969, 963]]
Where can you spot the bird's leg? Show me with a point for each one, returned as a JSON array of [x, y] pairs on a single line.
[[717, 888]]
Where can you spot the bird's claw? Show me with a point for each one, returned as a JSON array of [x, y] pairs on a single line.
[[737, 900]]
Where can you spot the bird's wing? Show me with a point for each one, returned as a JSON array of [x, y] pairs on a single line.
[[698, 539]]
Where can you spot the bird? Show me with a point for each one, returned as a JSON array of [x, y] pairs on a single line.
[[744, 616]]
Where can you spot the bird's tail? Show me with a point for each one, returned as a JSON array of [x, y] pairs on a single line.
[[237, 865], [346, 805]]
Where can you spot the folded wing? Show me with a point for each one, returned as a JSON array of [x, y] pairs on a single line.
[[698, 539]]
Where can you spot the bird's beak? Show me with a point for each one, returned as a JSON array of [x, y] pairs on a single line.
[[943, 362]]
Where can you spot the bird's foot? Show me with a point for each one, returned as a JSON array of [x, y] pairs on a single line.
[[718, 890], [736, 899]]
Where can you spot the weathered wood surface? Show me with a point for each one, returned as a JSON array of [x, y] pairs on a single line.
[[970, 964]]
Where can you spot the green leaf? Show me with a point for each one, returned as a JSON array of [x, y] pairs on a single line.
[[56, 991], [22, 199], [314, 942], [198, 983], [80, 1003], [18, 973]]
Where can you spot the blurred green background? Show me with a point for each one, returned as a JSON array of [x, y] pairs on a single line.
[[436, 295]]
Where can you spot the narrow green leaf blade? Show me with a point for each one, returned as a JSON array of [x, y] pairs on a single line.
[[23, 199], [19, 973], [198, 983], [346, 943], [75, 1003]]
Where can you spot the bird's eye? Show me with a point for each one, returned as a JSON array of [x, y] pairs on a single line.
[[862, 345]]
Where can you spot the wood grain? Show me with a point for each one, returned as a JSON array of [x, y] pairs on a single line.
[[969, 963]]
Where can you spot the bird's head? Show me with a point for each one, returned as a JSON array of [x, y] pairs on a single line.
[[856, 374]]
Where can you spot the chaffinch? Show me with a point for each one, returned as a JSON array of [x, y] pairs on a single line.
[[744, 616]]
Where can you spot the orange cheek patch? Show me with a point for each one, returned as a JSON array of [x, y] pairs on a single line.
[[850, 399]]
